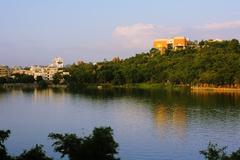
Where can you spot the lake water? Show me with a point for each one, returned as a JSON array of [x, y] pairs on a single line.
[[148, 125]]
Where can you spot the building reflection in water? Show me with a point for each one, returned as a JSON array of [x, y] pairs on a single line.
[[179, 120], [162, 119], [39, 95], [58, 96], [170, 120]]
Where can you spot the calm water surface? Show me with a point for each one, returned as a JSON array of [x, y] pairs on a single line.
[[148, 125]]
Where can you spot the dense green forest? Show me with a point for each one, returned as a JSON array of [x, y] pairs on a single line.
[[208, 62]]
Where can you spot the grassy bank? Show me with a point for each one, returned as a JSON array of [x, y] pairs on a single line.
[[152, 86], [214, 89], [139, 86], [147, 86]]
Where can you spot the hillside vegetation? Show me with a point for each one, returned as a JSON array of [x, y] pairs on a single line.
[[211, 63]]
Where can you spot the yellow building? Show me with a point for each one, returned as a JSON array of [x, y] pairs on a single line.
[[175, 43], [160, 44], [4, 71], [180, 42]]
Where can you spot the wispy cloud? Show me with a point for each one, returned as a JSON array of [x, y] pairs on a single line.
[[141, 34], [222, 25], [135, 30]]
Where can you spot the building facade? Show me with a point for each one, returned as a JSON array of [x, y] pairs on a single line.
[[57, 62], [174, 43], [46, 72], [4, 71]]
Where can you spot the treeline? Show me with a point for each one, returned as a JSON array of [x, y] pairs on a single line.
[[216, 63], [25, 79], [100, 145], [209, 63], [17, 78]]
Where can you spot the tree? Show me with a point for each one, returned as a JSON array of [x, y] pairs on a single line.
[[3, 80], [234, 155], [201, 43], [57, 78], [213, 152], [41, 82], [234, 46], [118, 78], [23, 78], [98, 146], [105, 73], [154, 51], [3, 152], [35, 153]]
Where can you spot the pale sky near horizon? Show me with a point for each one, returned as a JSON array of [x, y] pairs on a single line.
[[34, 32]]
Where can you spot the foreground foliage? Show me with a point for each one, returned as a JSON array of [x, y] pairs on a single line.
[[213, 152], [35, 153], [100, 145], [3, 137]]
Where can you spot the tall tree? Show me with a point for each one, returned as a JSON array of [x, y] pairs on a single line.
[[100, 145]]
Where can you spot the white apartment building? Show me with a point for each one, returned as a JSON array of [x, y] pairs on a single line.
[[46, 72], [57, 62]]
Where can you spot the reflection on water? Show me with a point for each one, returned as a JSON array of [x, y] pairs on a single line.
[[148, 124], [170, 118], [58, 96], [162, 119], [179, 120]]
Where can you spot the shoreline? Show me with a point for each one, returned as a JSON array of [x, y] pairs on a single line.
[[133, 86], [214, 89], [29, 85]]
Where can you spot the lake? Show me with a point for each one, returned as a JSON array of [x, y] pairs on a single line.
[[147, 124]]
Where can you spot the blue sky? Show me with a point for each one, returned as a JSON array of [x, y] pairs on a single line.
[[33, 32]]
